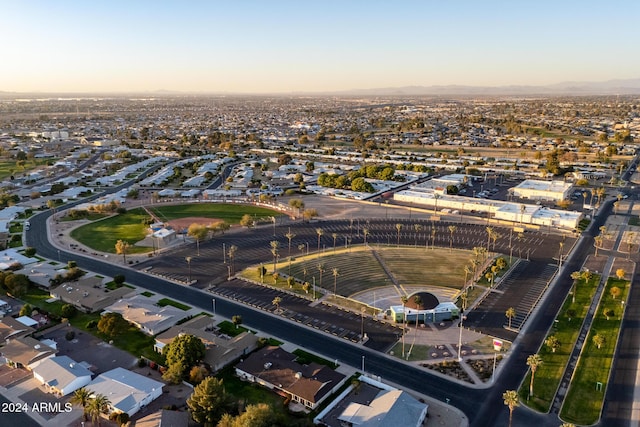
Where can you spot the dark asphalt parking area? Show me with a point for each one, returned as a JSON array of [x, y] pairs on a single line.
[[87, 348]]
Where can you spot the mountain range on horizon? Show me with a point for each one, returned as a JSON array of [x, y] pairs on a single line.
[[569, 88]]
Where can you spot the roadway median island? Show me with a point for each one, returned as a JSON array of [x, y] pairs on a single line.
[[585, 397], [555, 357]]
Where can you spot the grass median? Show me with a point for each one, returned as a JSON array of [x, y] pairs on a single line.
[[584, 400], [566, 329]]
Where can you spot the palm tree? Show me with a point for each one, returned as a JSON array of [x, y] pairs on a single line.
[[561, 244], [335, 280], [274, 252], [417, 300], [533, 361], [467, 273], [320, 232], [510, 398], [452, 229], [597, 243], [301, 248], [417, 227], [523, 209], [433, 237], [365, 233], [98, 405], [335, 237], [321, 270], [290, 236], [576, 276], [276, 301], [398, 227], [82, 397], [232, 257], [552, 342], [510, 313], [490, 233], [436, 197]]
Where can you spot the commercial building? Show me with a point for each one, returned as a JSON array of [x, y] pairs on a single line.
[[534, 189]]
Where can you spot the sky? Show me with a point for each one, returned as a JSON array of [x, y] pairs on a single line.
[[271, 46]]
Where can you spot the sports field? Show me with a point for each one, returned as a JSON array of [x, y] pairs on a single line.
[[131, 226], [231, 213], [358, 269]]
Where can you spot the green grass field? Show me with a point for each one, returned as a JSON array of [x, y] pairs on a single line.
[[358, 270], [9, 167], [102, 235], [230, 213], [583, 403], [566, 329], [417, 266]]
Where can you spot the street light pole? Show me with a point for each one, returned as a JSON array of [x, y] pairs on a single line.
[[460, 338], [363, 365], [224, 253], [213, 300]]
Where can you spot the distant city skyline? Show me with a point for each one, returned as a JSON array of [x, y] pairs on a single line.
[[324, 46]]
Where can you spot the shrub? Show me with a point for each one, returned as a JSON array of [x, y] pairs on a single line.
[[68, 311], [91, 324], [70, 335], [30, 251], [118, 279], [142, 363]]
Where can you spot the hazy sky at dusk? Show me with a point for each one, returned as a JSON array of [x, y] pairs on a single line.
[[284, 46]]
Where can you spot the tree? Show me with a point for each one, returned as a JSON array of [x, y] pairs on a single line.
[[26, 310], [599, 340], [208, 402], [68, 311], [533, 362], [276, 301], [365, 233], [305, 287], [289, 237], [274, 252], [615, 292], [29, 251], [417, 228], [17, 284], [336, 273], [620, 273], [97, 406], [510, 313], [398, 228], [258, 415], [246, 221], [118, 279], [319, 232], [309, 214], [452, 229], [197, 374], [112, 324], [237, 320], [82, 397], [553, 343], [510, 398], [122, 247], [320, 270], [184, 351], [576, 276], [198, 232], [275, 276], [231, 253]]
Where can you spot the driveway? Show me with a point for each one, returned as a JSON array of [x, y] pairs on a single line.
[[87, 348]]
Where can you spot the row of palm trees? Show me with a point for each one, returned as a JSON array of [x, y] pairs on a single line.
[[93, 405]]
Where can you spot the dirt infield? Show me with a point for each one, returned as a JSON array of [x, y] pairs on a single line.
[[179, 224]]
